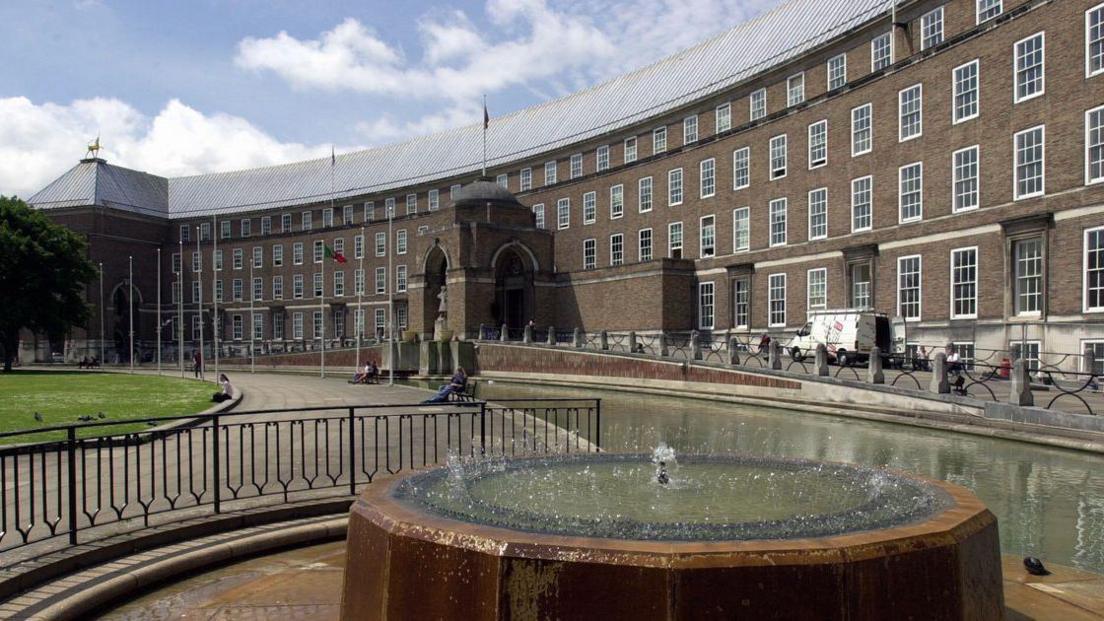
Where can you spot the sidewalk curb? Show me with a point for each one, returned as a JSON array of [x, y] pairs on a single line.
[[90, 597], [33, 573]]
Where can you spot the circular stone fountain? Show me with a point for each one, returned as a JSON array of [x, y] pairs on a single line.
[[598, 536]]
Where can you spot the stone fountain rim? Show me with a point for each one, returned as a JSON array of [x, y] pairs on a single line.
[[965, 516]]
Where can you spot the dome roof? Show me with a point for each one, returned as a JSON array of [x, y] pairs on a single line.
[[482, 191]]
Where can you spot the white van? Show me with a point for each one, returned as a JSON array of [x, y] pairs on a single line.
[[848, 334]]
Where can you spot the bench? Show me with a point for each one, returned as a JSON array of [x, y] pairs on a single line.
[[468, 396]]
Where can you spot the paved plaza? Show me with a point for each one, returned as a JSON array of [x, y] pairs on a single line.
[[306, 583], [260, 454]]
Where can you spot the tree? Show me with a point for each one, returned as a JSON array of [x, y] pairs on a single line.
[[43, 272]]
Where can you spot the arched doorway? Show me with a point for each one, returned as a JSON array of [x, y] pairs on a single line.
[[513, 303], [120, 328], [436, 265]]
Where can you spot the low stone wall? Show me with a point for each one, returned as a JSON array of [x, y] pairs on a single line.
[[334, 357], [491, 357]]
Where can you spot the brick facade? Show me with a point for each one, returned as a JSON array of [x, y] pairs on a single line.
[[663, 293]]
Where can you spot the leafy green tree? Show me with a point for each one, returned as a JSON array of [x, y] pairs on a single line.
[[43, 272]]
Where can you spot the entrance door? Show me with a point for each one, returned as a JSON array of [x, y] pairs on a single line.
[[515, 308]]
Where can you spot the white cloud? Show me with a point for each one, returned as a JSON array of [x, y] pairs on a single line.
[[533, 49], [547, 47], [457, 64], [39, 142]]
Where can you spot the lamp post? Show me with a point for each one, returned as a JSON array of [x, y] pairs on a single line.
[[252, 317], [159, 311], [130, 309], [358, 316], [214, 290], [390, 298], [102, 360], [180, 309], [199, 308]]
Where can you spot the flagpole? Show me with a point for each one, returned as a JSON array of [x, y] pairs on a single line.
[[322, 303], [214, 289], [102, 360], [485, 123], [159, 310], [360, 299], [130, 302], [199, 277], [180, 310]]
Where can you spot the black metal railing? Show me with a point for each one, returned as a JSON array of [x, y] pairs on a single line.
[[86, 488]]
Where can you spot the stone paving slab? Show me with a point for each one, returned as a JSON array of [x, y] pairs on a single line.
[[262, 588]]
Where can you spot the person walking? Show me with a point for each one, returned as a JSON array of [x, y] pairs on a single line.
[[197, 364]]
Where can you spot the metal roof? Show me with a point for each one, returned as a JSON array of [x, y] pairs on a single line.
[[732, 57], [95, 182]]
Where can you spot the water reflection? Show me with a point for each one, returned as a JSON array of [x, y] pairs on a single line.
[[1049, 502]]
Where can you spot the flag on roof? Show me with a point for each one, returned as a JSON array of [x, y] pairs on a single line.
[[336, 256]]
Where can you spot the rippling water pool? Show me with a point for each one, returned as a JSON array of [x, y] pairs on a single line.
[[1049, 502], [718, 497]]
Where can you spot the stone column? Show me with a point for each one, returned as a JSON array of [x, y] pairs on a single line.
[[663, 352], [733, 351], [578, 338], [603, 340], [482, 331], [1021, 385], [527, 334], [695, 346], [874, 373], [551, 335], [775, 350], [504, 335], [821, 360], [939, 382], [632, 341]]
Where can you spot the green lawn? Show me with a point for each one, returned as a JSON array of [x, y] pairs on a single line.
[[61, 397]]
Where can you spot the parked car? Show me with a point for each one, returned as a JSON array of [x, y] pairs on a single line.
[[847, 334]]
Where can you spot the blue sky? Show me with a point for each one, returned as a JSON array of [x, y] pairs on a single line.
[[181, 88]]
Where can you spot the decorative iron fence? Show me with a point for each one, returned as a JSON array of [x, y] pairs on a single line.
[[88, 488]]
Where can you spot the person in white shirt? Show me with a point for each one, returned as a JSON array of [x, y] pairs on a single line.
[[227, 391], [954, 367]]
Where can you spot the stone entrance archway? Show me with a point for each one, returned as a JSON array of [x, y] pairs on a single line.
[[121, 325], [436, 266], [514, 298]]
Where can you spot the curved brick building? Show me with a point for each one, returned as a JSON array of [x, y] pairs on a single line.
[[941, 164]]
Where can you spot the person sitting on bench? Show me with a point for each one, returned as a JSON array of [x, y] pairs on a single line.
[[362, 376], [457, 384]]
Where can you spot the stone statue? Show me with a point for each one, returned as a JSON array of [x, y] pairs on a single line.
[[442, 308]]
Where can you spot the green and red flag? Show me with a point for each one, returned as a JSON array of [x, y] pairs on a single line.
[[336, 256]]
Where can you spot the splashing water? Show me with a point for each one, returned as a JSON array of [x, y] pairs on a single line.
[[714, 497]]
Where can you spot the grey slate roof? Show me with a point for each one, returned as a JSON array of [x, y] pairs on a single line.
[[732, 57], [95, 182]]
